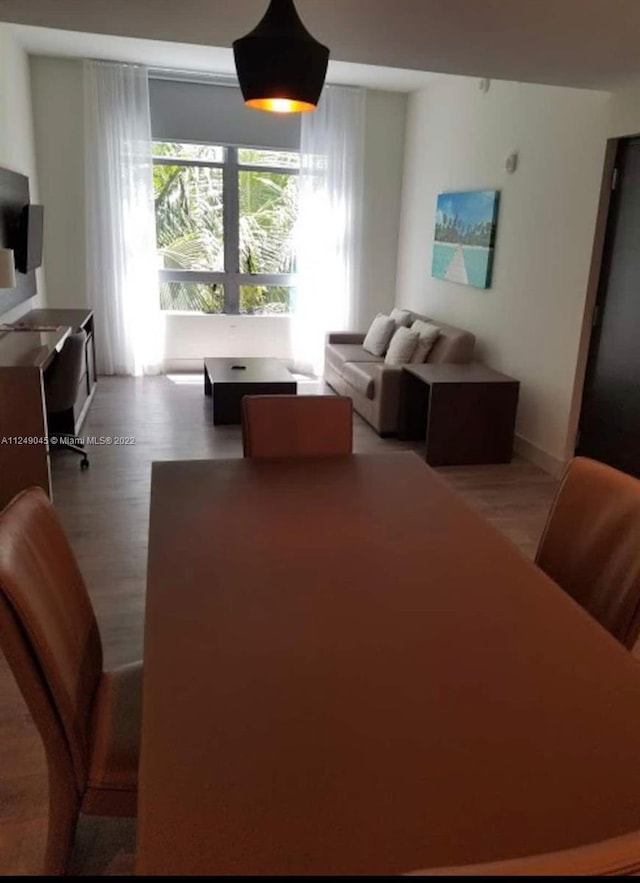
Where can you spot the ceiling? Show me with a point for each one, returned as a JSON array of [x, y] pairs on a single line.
[[187, 57], [584, 43]]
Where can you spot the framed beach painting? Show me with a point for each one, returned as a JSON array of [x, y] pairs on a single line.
[[465, 237]]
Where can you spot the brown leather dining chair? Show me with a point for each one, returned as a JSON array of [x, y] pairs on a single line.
[[591, 545], [89, 719], [618, 857], [297, 426]]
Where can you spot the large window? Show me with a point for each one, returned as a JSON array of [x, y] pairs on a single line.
[[225, 219]]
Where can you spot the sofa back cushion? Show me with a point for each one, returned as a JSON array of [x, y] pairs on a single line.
[[379, 335], [454, 345], [402, 347]]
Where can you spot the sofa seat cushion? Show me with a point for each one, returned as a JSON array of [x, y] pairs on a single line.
[[361, 376], [337, 354]]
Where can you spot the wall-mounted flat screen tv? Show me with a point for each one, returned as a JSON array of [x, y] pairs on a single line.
[[29, 239]]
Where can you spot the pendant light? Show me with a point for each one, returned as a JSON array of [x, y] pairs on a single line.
[[281, 67]]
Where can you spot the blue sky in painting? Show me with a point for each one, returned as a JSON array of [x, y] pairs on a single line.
[[471, 208]]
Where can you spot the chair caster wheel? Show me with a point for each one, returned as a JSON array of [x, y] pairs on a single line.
[[84, 465]]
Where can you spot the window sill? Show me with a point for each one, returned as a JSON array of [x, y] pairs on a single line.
[[194, 313]]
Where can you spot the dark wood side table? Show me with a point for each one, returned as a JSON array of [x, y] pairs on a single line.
[[466, 413]]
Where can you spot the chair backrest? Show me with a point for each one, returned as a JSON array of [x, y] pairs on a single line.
[[62, 378], [297, 426], [617, 857], [591, 545], [48, 630]]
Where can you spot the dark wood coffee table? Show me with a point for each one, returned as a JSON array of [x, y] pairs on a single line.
[[228, 381]]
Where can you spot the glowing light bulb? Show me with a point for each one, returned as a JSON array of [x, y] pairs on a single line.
[[280, 105]]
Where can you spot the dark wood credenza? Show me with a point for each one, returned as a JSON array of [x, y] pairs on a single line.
[[24, 357]]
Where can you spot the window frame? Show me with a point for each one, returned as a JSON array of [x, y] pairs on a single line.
[[231, 278]]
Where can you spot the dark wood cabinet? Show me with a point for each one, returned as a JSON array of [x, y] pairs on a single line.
[[465, 413]]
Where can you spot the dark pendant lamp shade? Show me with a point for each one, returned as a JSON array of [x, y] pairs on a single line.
[[281, 67]]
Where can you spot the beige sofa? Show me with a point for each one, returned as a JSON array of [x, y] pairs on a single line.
[[375, 387]]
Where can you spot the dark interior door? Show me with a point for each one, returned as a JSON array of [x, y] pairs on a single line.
[[610, 417]]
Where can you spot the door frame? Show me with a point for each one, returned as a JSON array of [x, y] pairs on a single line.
[[593, 289]]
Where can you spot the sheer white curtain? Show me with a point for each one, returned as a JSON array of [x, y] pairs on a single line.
[[329, 225], [122, 271]]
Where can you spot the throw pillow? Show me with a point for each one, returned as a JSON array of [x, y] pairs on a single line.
[[402, 318], [379, 335], [428, 334], [402, 347]]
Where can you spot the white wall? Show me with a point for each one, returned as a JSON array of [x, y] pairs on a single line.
[[58, 117], [385, 124], [191, 337], [624, 112], [59, 133], [528, 324], [17, 139]]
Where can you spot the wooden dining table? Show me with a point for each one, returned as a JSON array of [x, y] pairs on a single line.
[[347, 670]]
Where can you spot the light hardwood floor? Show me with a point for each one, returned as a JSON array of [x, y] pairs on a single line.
[[105, 512]]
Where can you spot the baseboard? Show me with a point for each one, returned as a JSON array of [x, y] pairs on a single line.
[[182, 366], [195, 366], [528, 451]]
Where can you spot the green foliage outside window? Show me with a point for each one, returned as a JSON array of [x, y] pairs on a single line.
[[190, 226]]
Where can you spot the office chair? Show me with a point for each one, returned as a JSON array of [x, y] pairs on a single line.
[[61, 382]]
